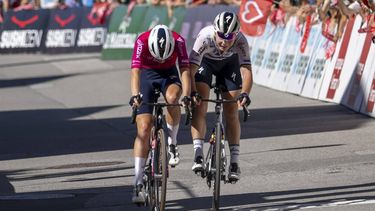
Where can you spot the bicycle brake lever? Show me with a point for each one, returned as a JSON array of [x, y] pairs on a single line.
[[246, 113]]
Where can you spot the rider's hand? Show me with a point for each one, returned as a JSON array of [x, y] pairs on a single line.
[[196, 97], [243, 99], [186, 101], [135, 100]]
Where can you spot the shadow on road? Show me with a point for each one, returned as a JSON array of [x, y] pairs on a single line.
[[119, 198], [284, 200], [47, 132]]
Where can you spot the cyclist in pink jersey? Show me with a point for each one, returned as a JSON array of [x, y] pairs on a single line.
[[154, 66]]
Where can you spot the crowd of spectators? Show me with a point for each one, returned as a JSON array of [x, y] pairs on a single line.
[[332, 14]]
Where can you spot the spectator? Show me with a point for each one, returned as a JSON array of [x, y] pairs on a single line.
[[72, 3], [27, 5], [171, 4], [194, 3]]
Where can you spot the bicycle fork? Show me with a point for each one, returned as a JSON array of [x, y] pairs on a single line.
[[210, 167]]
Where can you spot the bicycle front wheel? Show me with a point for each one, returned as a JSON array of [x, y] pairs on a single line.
[[218, 163], [161, 172]]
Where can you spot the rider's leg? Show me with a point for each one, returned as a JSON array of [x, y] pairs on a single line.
[[232, 126], [173, 116], [141, 148], [198, 123], [141, 145], [232, 132]]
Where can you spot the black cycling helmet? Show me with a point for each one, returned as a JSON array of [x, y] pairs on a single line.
[[227, 23]]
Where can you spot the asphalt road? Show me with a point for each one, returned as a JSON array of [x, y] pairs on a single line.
[[66, 144]]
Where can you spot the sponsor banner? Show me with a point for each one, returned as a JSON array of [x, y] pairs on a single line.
[[354, 69], [175, 23], [368, 104], [335, 78], [62, 30], [198, 17], [300, 70], [155, 15], [287, 60], [23, 31], [258, 52], [271, 56], [93, 29], [332, 63], [123, 31], [315, 70], [253, 15]]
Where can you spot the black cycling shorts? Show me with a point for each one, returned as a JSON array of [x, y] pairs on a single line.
[[227, 72], [152, 79]]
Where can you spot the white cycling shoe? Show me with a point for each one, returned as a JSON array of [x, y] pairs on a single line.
[[174, 156]]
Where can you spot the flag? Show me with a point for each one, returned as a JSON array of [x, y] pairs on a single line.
[[253, 16]]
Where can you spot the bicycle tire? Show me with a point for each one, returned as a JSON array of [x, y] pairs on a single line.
[[160, 184], [216, 190]]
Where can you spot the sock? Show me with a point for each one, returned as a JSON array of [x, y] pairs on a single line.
[[139, 165], [234, 152], [172, 134], [198, 147]]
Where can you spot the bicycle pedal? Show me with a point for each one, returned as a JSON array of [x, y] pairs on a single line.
[[200, 172], [232, 181], [140, 204]]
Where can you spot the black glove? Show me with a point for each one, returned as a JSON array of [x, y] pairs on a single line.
[[134, 98], [244, 96], [186, 100], [196, 95]]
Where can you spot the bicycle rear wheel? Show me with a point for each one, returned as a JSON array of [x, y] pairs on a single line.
[[216, 190], [161, 172]]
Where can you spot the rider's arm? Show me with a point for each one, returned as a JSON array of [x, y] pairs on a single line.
[[135, 81], [183, 61], [193, 71], [137, 64], [245, 64], [247, 78], [186, 81]]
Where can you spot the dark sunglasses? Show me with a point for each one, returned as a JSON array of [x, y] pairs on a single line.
[[229, 36]]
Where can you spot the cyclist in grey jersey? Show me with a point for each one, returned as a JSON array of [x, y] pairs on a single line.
[[206, 46], [223, 51]]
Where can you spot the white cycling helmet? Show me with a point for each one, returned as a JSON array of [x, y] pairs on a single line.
[[161, 42], [226, 23]]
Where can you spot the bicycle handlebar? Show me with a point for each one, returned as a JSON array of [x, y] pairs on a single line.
[[222, 101]]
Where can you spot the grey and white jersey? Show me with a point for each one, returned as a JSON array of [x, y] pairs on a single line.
[[205, 46]]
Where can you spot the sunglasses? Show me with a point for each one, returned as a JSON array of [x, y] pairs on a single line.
[[229, 36]]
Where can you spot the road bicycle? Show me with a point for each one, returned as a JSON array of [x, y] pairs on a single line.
[[156, 169], [216, 155]]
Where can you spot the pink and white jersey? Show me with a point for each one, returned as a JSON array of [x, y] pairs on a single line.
[[142, 57]]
